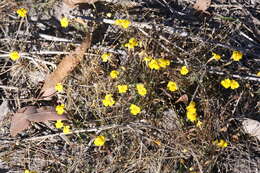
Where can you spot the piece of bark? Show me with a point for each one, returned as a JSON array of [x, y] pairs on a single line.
[[68, 63]]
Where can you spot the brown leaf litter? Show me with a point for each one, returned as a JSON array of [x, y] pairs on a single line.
[[65, 67], [22, 118]]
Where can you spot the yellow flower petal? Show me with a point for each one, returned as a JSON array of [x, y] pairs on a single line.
[[114, 74], [60, 109], [184, 70], [134, 109], [122, 88], [226, 83], [14, 55], [66, 129], [141, 89], [99, 141], [64, 22], [108, 101], [216, 56], [234, 84], [22, 12], [153, 64], [59, 87], [106, 56], [191, 116], [236, 55], [172, 86], [58, 124], [163, 62]]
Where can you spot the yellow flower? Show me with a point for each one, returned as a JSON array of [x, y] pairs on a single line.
[[122, 88], [226, 83], [147, 58], [153, 64], [216, 56], [236, 55], [131, 43], [192, 104], [58, 124], [64, 22], [184, 70], [163, 62], [234, 84], [60, 109], [59, 87], [191, 109], [27, 171], [191, 116], [114, 74], [14, 55], [220, 143], [66, 129], [108, 101], [191, 112], [199, 124], [99, 141], [141, 89], [258, 74], [123, 23], [106, 56], [22, 12], [134, 109], [172, 86]]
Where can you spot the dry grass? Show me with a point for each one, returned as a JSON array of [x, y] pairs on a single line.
[[160, 138]]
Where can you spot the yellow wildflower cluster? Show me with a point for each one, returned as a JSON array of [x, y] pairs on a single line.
[[60, 109], [123, 23], [22, 12], [191, 112], [64, 22], [184, 70], [99, 141], [114, 74], [227, 83], [59, 87], [141, 89], [14, 55], [236, 55], [172, 86], [122, 88], [108, 101], [134, 109], [156, 64], [106, 56], [59, 124], [131, 43], [220, 143]]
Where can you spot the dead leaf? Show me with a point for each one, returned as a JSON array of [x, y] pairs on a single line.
[[65, 67], [202, 5], [184, 98], [252, 127], [22, 118], [73, 3]]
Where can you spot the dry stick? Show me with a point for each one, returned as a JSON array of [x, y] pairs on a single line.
[[245, 77], [171, 30], [74, 132]]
